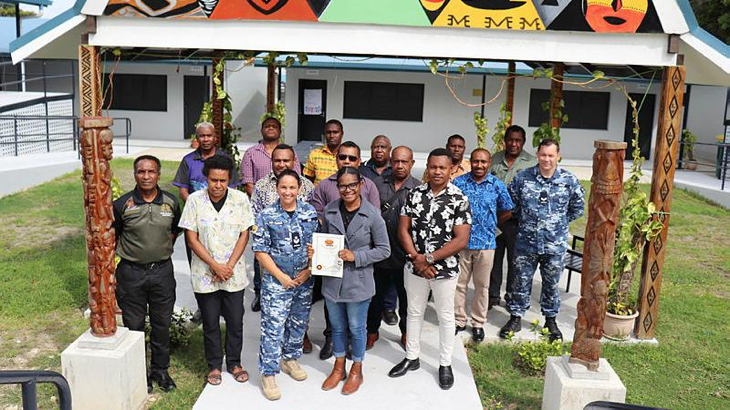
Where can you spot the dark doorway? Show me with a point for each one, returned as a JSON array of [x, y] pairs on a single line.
[[195, 95], [646, 123], [312, 109]]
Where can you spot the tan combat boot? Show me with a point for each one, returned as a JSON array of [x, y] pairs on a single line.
[[292, 368], [269, 387]]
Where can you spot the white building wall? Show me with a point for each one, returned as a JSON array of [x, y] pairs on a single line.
[[705, 118], [443, 115], [247, 87]]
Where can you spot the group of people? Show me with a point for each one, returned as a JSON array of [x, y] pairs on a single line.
[[405, 239]]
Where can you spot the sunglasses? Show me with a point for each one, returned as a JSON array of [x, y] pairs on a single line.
[[343, 157], [348, 187]]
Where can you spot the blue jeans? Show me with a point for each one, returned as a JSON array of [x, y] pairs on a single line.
[[353, 316]]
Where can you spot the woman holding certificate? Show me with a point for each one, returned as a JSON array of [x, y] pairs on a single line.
[[283, 232], [348, 297]]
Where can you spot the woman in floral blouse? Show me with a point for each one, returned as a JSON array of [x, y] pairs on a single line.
[[216, 222]]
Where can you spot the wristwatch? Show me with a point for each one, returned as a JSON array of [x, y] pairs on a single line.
[[429, 258]]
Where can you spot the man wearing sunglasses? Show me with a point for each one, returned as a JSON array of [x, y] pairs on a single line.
[[547, 198], [347, 155]]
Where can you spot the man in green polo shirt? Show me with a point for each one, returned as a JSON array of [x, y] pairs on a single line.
[[505, 165], [145, 222]]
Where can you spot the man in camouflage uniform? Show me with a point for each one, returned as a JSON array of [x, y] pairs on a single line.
[[546, 199], [285, 303]]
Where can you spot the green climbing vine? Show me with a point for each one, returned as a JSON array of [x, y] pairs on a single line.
[[481, 130], [505, 119]]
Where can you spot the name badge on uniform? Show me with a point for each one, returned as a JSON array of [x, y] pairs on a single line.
[[296, 240]]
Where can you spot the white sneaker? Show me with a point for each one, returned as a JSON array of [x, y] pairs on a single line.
[[292, 368]]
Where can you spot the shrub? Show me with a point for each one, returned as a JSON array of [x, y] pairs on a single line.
[[531, 357]]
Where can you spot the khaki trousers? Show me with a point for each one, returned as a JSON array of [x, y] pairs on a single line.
[[475, 264]]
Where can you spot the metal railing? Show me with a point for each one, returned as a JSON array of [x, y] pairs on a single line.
[[28, 380], [21, 131], [721, 164]]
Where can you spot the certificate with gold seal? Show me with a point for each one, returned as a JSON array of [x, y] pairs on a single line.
[[325, 261]]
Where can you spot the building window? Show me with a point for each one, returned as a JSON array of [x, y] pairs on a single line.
[[136, 92], [383, 101], [586, 110]]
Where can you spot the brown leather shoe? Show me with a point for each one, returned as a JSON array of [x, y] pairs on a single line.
[[338, 374], [403, 340], [372, 338], [306, 345], [354, 380]]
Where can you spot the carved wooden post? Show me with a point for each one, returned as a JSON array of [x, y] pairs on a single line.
[[90, 81], [600, 237], [96, 152], [217, 106], [271, 84], [556, 94], [662, 183], [510, 105]]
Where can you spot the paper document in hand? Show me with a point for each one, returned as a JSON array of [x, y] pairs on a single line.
[[325, 261]]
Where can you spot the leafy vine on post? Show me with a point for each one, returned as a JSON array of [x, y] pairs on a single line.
[[481, 125], [547, 130], [505, 119]]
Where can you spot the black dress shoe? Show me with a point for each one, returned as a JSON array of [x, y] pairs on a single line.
[[163, 380], [326, 351], [390, 318], [404, 367], [477, 333], [513, 325], [150, 386], [459, 329], [553, 332], [492, 303], [446, 377], [256, 302], [197, 317]]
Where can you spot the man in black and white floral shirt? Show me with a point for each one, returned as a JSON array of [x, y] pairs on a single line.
[[434, 226]]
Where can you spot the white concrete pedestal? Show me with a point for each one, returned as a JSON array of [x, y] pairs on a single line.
[[106, 372], [572, 386]]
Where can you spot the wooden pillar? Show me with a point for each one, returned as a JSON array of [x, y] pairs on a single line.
[[217, 104], [666, 152], [600, 238], [510, 106], [96, 152], [556, 95], [271, 85], [90, 71]]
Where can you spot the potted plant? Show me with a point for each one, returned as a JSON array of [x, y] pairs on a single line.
[[688, 141], [637, 224]]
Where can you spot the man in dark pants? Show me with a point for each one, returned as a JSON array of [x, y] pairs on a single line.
[[505, 165], [145, 222], [394, 189]]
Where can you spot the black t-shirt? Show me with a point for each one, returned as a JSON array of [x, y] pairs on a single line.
[[347, 215], [219, 205]]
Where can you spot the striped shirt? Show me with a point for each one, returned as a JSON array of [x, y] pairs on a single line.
[[256, 164], [320, 164]]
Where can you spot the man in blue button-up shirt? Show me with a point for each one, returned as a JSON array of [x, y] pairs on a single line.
[[487, 197], [546, 199]]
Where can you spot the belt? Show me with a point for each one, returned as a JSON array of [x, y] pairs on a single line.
[[146, 266]]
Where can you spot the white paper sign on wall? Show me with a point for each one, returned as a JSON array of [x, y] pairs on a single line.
[[312, 102]]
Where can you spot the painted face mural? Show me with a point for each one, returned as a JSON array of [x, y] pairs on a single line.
[[615, 16], [494, 14], [550, 9]]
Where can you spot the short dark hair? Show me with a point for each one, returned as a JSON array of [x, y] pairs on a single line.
[[548, 142], [283, 146], [517, 129], [481, 150], [440, 152], [147, 158], [289, 173], [349, 144], [335, 122], [218, 162], [349, 170], [455, 136], [270, 118]]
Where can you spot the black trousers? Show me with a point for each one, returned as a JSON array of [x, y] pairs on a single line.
[[317, 296], [383, 280], [153, 285], [505, 245], [212, 306]]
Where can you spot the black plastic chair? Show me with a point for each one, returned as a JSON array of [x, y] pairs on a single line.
[[573, 259]]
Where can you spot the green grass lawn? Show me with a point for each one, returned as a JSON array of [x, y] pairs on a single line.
[[43, 295]]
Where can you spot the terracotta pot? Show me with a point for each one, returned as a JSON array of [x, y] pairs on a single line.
[[618, 327], [691, 165]]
